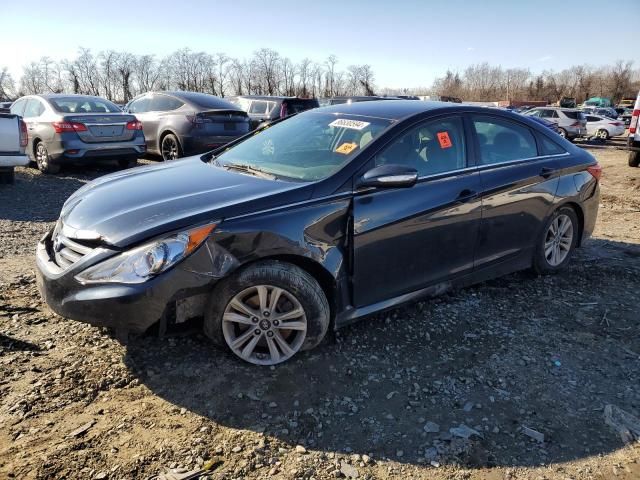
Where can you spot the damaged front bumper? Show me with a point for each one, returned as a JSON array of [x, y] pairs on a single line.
[[128, 307]]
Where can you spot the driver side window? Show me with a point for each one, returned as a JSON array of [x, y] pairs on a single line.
[[432, 147]]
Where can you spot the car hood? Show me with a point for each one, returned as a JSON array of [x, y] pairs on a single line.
[[136, 204]]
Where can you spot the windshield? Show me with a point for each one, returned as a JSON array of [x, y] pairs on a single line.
[[307, 147], [83, 105]]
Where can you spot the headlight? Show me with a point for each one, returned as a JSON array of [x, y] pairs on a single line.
[[142, 263]]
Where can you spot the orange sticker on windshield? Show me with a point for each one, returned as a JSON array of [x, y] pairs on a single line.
[[346, 148], [444, 140]]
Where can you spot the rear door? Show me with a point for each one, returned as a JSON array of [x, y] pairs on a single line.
[[405, 239], [36, 129], [141, 108], [519, 180]]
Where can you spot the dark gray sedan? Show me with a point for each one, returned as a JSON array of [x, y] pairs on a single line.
[[186, 123], [76, 128]]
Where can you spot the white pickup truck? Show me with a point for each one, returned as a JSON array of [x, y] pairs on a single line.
[[13, 140]]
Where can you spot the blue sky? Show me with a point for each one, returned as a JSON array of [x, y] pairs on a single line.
[[408, 43]]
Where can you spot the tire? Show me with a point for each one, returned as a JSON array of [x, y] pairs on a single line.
[[602, 134], [562, 132], [543, 262], [170, 148], [634, 159], [43, 160], [295, 285], [128, 162], [7, 177]]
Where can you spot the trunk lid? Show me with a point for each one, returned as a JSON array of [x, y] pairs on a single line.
[[103, 127], [223, 122]]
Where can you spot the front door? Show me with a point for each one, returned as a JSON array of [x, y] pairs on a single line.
[[405, 239]]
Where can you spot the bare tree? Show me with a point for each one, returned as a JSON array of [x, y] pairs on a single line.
[[7, 85]]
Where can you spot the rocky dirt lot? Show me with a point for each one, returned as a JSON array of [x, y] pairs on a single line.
[[505, 380]]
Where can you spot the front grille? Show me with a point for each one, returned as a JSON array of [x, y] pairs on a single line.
[[66, 252]]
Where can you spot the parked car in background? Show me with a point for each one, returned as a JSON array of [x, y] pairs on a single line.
[[322, 219], [568, 102], [597, 102], [608, 112], [571, 122], [626, 115], [627, 102], [13, 141], [603, 128], [553, 126], [177, 124], [633, 140], [78, 128], [5, 107], [266, 108]]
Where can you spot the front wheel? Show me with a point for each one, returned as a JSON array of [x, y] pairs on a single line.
[[562, 132], [602, 134], [44, 161], [170, 147], [557, 242], [268, 313]]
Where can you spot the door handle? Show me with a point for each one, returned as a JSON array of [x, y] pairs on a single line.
[[546, 172], [466, 195]]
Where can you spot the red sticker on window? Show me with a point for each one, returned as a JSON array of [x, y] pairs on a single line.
[[444, 140]]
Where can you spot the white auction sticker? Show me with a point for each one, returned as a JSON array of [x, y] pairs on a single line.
[[346, 123]]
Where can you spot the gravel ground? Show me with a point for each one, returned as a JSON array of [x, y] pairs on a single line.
[[504, 380]]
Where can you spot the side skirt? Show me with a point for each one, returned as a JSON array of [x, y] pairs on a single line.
[[351, 314]]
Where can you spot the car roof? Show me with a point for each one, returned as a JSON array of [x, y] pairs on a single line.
[[48, 96], [396, 109], [270, 97]]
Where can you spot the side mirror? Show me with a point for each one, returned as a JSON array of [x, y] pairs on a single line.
[[386, 176]]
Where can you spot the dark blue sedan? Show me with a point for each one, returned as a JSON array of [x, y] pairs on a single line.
[[320, 220]]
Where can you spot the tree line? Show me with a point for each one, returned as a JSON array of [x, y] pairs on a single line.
[[119, 76], [485, 82]]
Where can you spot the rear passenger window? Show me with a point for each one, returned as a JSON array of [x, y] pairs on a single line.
[[435, 146], [140, 106], [258, 107], [549, 147], [162, 103], [33, 109], [503, 141]]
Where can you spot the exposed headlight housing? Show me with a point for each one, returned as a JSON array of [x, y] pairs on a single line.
[[141, 263]]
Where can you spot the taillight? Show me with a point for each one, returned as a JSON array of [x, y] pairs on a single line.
[[616, 124], [198, 120], [634, 121], [24, 134], [595, 171], [134, 125], [62, 127]]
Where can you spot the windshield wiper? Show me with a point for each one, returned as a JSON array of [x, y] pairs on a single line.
[[240, 167]]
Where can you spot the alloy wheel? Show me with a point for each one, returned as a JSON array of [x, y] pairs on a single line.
[[602, 134], [264, 325], [170, 148], [558, 240], [562, 132], [42, 157]]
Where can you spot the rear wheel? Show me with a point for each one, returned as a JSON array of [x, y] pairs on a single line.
[[170, 147], [562, 132], [557, 241], [267, 313], [634, 159], [44, 161], [602, 134]]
